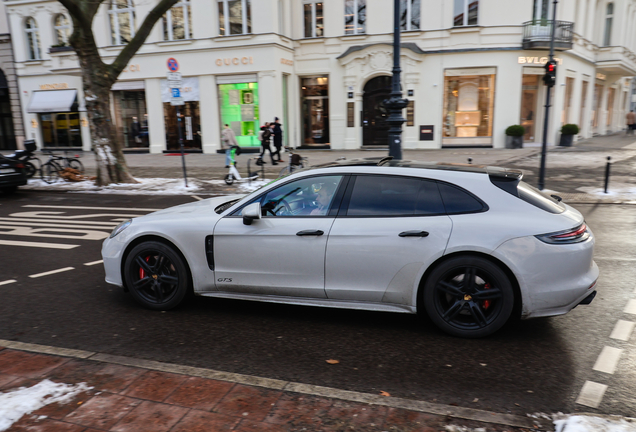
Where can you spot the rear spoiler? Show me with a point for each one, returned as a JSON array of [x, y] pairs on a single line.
[[505, 178]]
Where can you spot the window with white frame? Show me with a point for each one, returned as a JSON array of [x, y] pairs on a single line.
[[62, 29], [609, 17], [355, 16], [177, 22], [541, 10], [409, 15], [33, 39], [465, 12], [314, 23], [235, 17], [122, 21]]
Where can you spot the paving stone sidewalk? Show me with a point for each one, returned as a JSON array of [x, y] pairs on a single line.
[[127, 397]]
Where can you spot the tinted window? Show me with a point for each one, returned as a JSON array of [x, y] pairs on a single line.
[[394, 196], [457, 200]]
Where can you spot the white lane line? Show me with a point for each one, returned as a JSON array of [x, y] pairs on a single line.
[[61, 221], [197, 198], [52, 272], [59, 225], [591, 394], [623, 330], [607, 360], [37, 244], [631, 307], [92, 208], [8, 282], [94, 262]]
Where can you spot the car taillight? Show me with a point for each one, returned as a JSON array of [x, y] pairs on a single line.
[[574, 235]]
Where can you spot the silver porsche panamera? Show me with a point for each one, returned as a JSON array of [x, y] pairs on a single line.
[[469, 246]]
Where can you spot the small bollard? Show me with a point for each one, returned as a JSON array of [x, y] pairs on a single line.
[[607, 172], [470, 161]]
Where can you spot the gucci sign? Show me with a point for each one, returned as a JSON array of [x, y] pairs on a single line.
[[234, 61]]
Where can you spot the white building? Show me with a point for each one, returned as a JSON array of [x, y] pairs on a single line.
[[11, 125], [471, 68]]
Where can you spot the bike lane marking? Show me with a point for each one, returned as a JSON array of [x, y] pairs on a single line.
[[52, 272], [623, 330], [94, 262], [8, 282], [37, 244], [591, 394], [93, 208], [607, 360]]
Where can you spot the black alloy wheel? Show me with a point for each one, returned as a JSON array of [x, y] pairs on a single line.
[[468, 296], [156, 275]]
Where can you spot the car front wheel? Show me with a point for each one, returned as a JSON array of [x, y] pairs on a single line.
[[156, 275], [468, 296]]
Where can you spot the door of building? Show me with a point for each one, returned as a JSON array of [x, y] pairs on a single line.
[[375, 129], [529, 93]]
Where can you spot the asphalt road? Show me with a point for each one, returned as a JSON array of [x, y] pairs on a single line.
[[529, 367]]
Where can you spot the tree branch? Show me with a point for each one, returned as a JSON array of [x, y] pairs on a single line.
[[140, 36], [76, 12]]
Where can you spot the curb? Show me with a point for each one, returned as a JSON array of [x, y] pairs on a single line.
[[306, 389]]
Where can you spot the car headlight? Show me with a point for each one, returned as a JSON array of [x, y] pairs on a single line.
[[119, 228]]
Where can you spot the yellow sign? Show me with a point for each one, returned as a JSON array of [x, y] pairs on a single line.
[[537, 60], [34, 123], [234, 61], [56, 86], [287, 62]]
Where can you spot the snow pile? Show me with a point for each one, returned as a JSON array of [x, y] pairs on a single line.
[[581, 423], [146, 186], [615, 190], [16, 403], [591, 159]]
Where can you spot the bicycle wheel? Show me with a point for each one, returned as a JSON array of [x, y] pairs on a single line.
[[37, 164], [285, 171], [76, 164], [50, 172], [30, 169]]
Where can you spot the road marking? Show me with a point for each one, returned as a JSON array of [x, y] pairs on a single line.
[[8, 282], [61, 215], [631, 307], [197, 198], [607, 360], [37, 244], [52, 272], [623, 330], [57, 225], [94, 262], [91, 208], [591, 394], [62, 221], [61, 233]]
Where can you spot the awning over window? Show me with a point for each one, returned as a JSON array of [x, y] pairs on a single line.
[[53, 101]]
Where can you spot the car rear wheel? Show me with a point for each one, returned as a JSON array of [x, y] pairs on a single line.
[[156, 275], [468, 296]]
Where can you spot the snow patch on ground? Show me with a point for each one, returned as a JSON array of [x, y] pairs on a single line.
[[614, 190], [16, 403], [592, 159], [582, 423]]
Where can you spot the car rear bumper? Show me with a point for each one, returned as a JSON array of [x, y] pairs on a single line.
[[11, 180]]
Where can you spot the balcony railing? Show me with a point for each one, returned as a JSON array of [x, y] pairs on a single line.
[[537, 33]]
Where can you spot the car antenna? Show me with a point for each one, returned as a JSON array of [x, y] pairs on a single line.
[[384, 159]]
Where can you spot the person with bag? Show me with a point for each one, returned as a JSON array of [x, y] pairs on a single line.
[[631, 122], [228, 139], [277, 134], [264, 137]]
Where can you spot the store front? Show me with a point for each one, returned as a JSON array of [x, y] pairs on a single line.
[[58, 118], [131, 116], [189, 128], [375, 129], [315, 111], [239, 108], [468, 107]]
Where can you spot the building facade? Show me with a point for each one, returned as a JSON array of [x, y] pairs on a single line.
[[471, 68], [11, 124]]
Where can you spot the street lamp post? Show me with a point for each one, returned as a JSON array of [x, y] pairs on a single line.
[[546, 120], [395, 103]]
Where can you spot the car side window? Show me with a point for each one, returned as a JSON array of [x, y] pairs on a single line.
[[457, 200], [382, 195], [305, 197]]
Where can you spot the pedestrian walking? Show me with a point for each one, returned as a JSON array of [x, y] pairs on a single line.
[[277, 134], [264, 136], [631, 122], [228, 140]]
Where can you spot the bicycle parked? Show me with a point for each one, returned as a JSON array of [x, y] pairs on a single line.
[[27, 156], [296, 162], [51, 169]]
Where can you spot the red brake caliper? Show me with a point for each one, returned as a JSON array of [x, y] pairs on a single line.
[[142, 273], [486, 303]]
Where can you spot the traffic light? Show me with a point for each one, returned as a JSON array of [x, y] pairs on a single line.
[[550, 73]]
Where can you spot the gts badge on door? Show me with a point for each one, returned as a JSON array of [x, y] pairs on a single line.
[[224, 280]]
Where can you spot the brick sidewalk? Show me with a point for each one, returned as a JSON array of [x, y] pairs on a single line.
[[126, 398]]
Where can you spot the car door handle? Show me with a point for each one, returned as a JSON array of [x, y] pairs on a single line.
[[310, 233], [414, 234]]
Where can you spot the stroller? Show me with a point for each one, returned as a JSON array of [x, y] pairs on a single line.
[[234, 175]]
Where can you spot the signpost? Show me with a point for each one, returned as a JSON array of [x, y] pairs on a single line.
[[175, 83]]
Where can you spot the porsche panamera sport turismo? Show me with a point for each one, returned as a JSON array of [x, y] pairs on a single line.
[[471, 246]]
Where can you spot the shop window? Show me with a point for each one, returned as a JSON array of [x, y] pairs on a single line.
[[468, 105], [131, 118], [567, 103], [598, 91], [315, 110], [122, 21], [235, 17], [61, 130], [583, 102], [190, 118], [409, 15], [62, 30], [239, 107], [314, 24], [355, 16], [610, 106], [609, 17], [466, 12], [33, 39], [529, 98], [177, 22]]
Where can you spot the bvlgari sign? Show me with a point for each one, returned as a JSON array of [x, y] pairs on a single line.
[[56, 86], [537, 60]]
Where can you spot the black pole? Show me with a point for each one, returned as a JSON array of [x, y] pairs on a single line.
[[185, 176], [546, 120], [395, 103], [607, 172]]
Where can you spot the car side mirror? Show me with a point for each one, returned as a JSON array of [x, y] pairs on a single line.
[[251, 212]]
